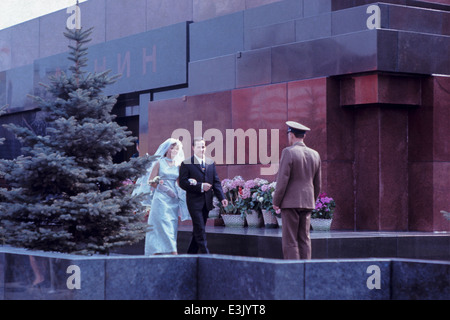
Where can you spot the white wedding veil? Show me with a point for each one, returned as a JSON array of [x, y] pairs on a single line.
[[142, 185], [164, 147]]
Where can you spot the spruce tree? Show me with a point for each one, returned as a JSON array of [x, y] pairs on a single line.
[[65, 193]]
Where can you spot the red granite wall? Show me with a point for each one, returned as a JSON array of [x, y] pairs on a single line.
[[383, 141]]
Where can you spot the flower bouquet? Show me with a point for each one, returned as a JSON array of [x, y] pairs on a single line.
[[324, 207], [264, 196], [231, 214], [230, 188], [322, 215]]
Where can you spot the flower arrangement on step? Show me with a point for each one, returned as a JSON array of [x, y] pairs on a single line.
[[231, 188], [322, 215], [256, 195], [264, 195], [324, 207], [247, 201]]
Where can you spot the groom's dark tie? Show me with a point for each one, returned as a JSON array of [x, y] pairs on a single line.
[[203, 166]]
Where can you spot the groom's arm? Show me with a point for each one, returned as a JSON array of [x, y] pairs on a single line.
[[184, 180], [217, 185]]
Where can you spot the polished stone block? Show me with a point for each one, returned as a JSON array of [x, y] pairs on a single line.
[[124, 19], [346, 280], [358, 51], [340, 125], [303, 60], [3, 88], [419, 280], [5, 50], [216, 74], [349, 53], [216, 37], [387, 54], [273, 13], [422, 120], [272, 35], [307, 104], [266, 243], [253, 68], [423, 247], [93, 14], [51, 37], [46, 276], [390, 86], [259, 112], [218, 277], [441, 195], [367, 169], [380, 204], [316, 7], [418, 20], [155, 278], [273, 18], [441, 111], [423, 53], [161, 13], [393, 169], [25, 44], [248, 172], [256, 3], [19, 83], [262, 107], [337, 181], [429, 169], [206, 9], [226, 278], [420, 188], [188, 118], [314, 27]]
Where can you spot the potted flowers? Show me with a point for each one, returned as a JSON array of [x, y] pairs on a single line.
[[231, 215], [248, 202], [322, 215], [264, 196]]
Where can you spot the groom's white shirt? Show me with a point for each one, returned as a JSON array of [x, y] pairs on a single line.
[[200, 160]]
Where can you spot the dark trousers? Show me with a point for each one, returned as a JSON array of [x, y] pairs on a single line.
[[296, 240], [198, 242]]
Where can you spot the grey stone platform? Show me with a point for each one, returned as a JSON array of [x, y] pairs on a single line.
[[217, 277], [266, 243]]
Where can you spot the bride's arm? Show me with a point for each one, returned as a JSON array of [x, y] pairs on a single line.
[[155, 172]]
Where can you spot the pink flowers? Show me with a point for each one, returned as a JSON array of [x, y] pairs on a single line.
[[245, 193], [257, 194], [232, 184], [324, 207]]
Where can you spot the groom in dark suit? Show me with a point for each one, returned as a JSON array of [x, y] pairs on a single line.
[[199, 178]]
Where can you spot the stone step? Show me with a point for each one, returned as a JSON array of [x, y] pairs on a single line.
[[266, 243]]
